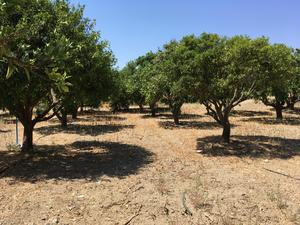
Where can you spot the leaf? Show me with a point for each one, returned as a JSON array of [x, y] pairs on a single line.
[[65, 88], [10, 71], [27, 73]]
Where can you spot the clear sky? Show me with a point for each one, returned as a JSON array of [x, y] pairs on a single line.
[[134, 27]]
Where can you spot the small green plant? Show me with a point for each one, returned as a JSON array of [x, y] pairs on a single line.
[[13, 147], [276, 197], [161, 186], [199, 194]]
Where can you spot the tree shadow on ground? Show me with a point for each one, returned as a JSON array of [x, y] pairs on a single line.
[[296, 111], [248, 113], [169, 116], [108, 118], [5, 131], [145, 110], [189, 125], [101, 114], [250, 146], [93, 118], [274, 121], [82, 129], [185, 116], [94, 112], [81, 160]]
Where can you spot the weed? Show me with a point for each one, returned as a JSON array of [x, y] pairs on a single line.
[[277, 197], [199, 194], [13, 147], [161, 186]]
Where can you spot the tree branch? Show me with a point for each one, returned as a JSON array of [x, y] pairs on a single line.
[[42, 117], [211, 111]]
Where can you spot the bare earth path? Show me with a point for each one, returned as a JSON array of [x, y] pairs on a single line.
[[132, 169]]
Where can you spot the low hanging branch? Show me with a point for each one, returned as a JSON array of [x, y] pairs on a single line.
[[43, 116]]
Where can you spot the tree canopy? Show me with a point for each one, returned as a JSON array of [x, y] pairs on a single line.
[[52, 61], [279, 81], [52, 46], [229, 74], [219, 72]]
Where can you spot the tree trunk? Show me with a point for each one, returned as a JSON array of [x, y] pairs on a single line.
[[176, 111], [74, 113], [176, 118], [292, 106], [64, 120], [27, 144], [278, 112], [141, 108], [153, 110], [226, 131], [293, 98]]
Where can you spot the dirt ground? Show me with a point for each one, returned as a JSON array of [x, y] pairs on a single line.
[[129, 168]]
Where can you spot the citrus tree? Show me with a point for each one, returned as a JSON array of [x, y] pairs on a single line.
[[34, 69], [229, 71], [279, 81]]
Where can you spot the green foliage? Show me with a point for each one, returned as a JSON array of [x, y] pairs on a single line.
[[36, 46], [120, 98], [229, 73], [280, 76], [130, 84], [294, 84], [90, 63], [52, 60], [169, 77], [230, 69], [49, 56]]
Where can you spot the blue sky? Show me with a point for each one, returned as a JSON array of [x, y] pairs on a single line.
[[134, 27]]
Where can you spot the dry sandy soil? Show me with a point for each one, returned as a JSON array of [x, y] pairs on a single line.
[[129, 168]]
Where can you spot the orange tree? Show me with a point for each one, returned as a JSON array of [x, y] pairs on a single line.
[[35, 72]]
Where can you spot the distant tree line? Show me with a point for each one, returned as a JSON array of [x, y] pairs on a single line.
[[218, 72]]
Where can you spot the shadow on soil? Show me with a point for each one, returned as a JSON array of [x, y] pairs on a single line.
[[273, 121], [247, 113], [107, 118], [81, 160], [296, 111], [145, 110], [4, 131], [81, 129], [250, 146], [93, 118], [165, 116], [189, 125]]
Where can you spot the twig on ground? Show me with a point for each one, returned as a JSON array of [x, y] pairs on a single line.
[[135, 215], [208, 217], [186, 209], [166, 210], [286, 175]]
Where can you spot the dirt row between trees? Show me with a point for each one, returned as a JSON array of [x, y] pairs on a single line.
[[129, 168]]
